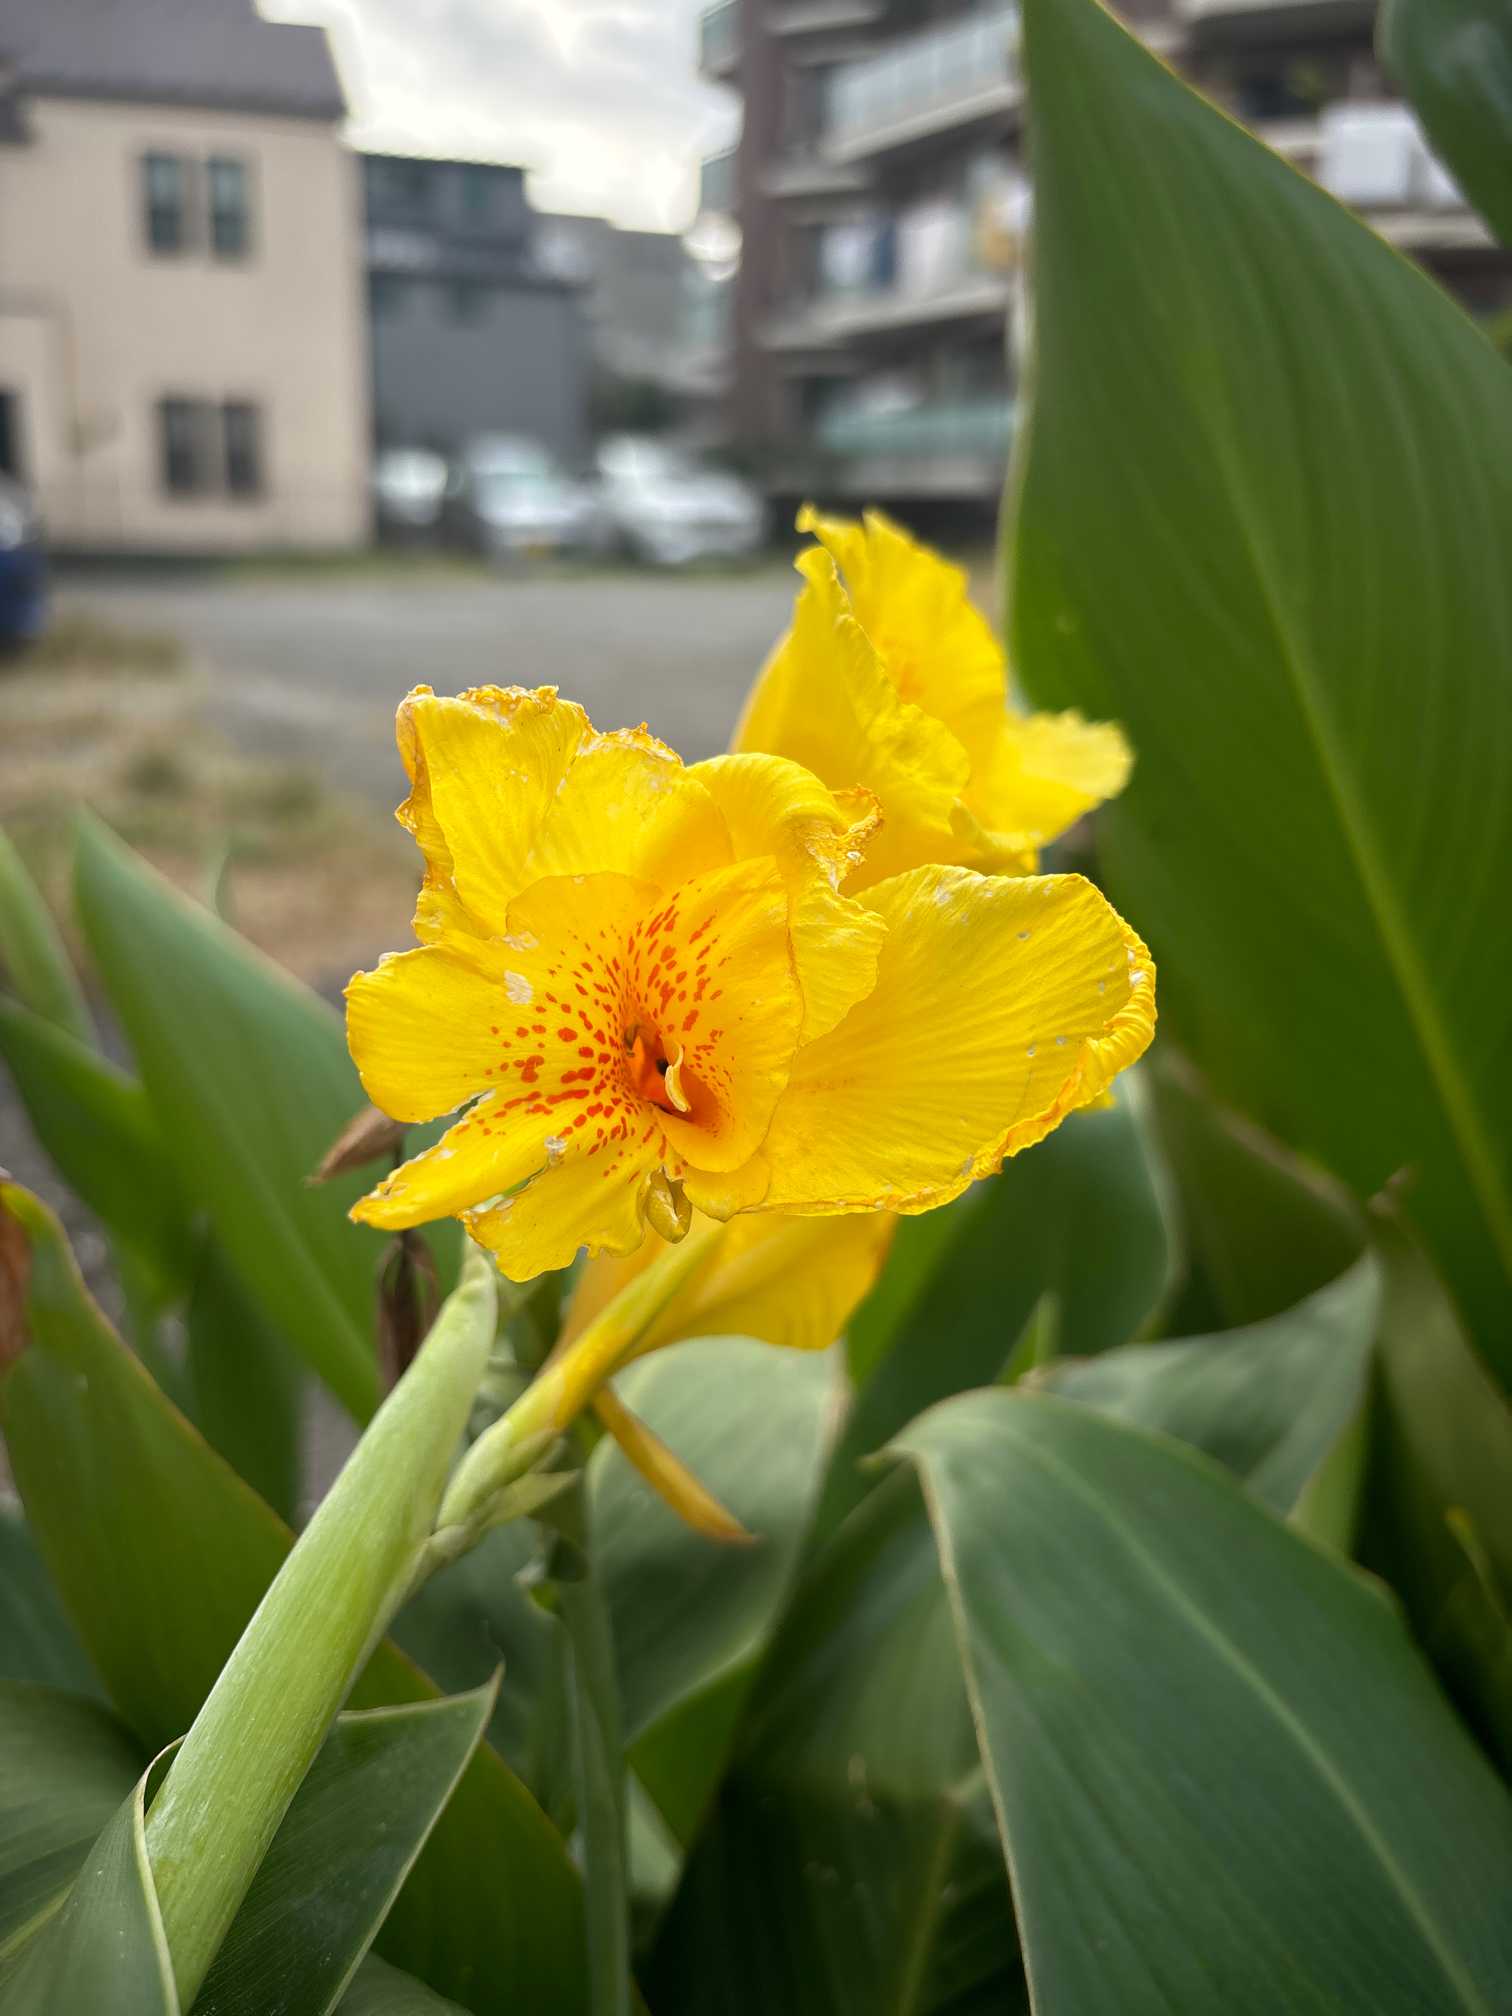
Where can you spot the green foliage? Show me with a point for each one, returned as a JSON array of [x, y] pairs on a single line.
[[1374, 1844], [1261, 519], [1454, 60], [1054, 1564]]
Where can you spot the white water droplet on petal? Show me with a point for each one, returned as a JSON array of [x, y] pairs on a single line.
[[1030, 1051], [521, 941], [519, 989], [1060, 1042], [1022, 936], [556, 1148]]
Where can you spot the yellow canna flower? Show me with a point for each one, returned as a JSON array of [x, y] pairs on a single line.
[[891, 679], [641, 981]]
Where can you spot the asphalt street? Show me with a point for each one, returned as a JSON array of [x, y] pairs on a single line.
[[310, 669]]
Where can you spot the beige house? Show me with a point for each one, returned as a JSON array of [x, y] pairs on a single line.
[[182, 323]]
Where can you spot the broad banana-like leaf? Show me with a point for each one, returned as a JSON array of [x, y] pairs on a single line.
[[1077, 1221], [66, 1764], [1453, 58], [249, 1080], [1261, 517], [161, 1554], [1270, 1400], [1224, 1775]]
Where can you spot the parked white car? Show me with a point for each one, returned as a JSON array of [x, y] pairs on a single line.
[[666, 508], [508, 498]]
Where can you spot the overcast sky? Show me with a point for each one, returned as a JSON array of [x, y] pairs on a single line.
[[600, 99]]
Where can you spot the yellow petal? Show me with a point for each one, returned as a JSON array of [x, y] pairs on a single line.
[[510, 785], [825, 701], [591, 1199], [915, 606], [789, 1281], [1000, 1006], [773, 806], [668, 1475], [713, 972], [486, 1152], [421, 1026], [1046, 771]]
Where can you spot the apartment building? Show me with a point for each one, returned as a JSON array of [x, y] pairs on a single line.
[[472, 330], [882, 196], [181, 324]]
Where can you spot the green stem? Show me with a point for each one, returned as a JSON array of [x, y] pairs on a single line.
[[566, 1385], [267, 1715]]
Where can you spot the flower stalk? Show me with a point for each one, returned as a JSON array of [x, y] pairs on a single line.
[[563, 1389]]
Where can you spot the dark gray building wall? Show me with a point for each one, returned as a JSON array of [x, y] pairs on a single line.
[[513, 360], [471, 333]]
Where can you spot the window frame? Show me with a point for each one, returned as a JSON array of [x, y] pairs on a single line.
[[152, 206], [240, 252], [235, 490], [201, 466]]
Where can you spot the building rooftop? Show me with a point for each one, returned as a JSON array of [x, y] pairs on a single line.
[[215, 53]]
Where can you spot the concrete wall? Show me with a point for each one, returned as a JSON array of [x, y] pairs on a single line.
[[521, 368], [95, 329]]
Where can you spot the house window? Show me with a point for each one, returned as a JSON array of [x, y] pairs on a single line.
[[387, 293], [469, 301], [230, 227], [477, 193], [10, 434], [185, 442], [241, 427], [165, 191]]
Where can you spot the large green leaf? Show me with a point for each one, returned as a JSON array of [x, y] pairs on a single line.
[[474, 1616], [1270, 1400], [245, 1383], [1260, 1230], [962, 1284], [1224, 1776], [37, 1642], [103, 1950], [359, 1820], [690, 1618], [381, 1990], [1262, 516], [850, 1863], [1454, 60], [32, 959], [250, 1083], [161, 1554], [96, 1124], [1438, 1509], [65, 1766]]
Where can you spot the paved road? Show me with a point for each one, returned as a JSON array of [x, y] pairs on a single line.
[[311, 669]]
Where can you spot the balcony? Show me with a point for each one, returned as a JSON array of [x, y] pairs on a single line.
[[925, 84], [719, 40], [716, 184], [805, 172], [933, 448], [1264, 19], [823, 17]]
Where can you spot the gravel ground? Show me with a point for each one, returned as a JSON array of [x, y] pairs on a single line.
[[310, 668]]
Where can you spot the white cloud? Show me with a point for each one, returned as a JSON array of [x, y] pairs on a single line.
[[600, 99]]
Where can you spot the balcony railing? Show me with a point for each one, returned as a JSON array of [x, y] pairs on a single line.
[[719, 38], [716, 184], [979, 428], [923, 82]]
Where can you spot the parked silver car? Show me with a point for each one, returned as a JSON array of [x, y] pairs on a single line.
[[667, 508], [507, 497]]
